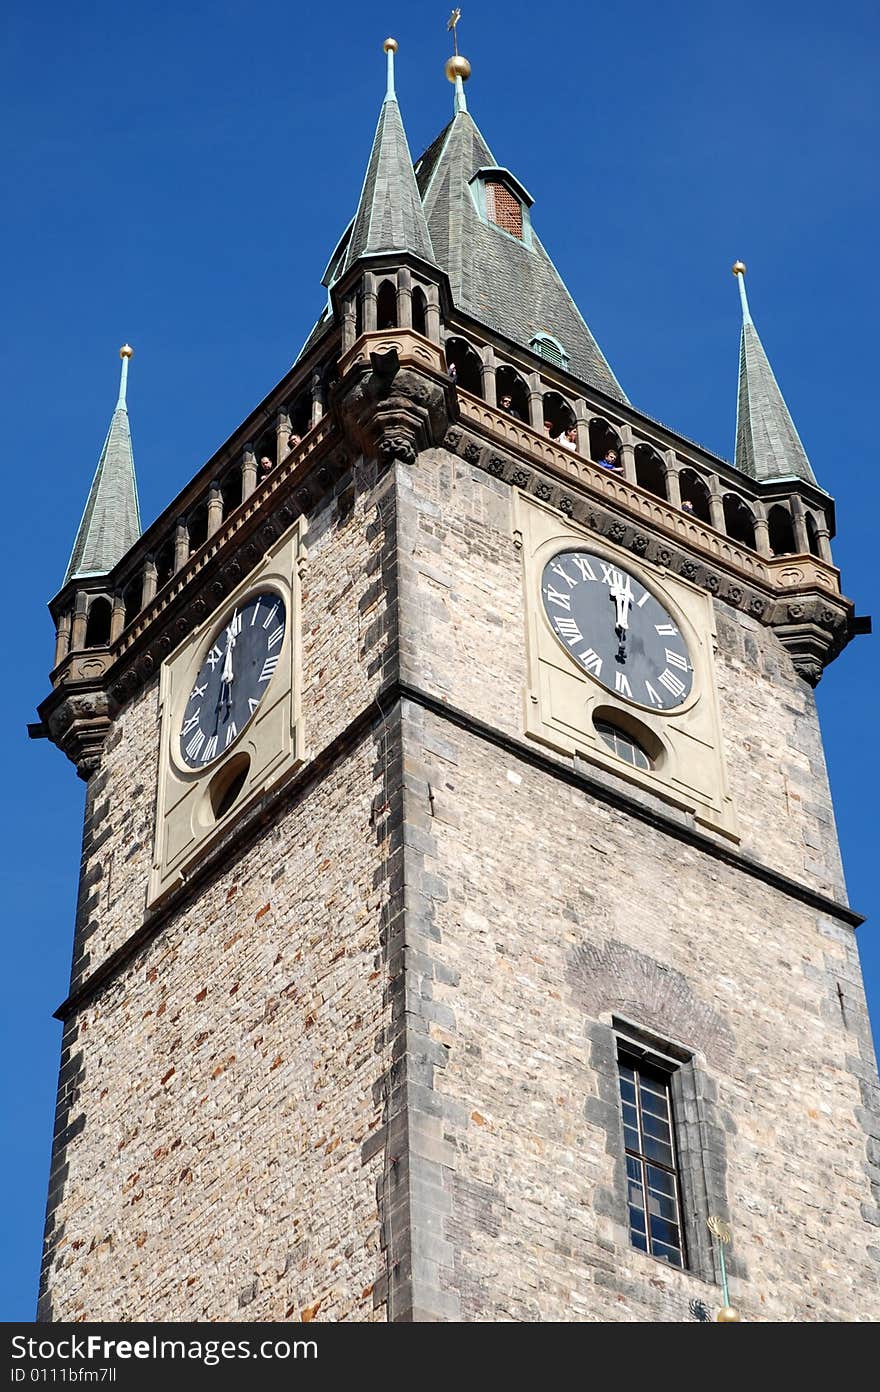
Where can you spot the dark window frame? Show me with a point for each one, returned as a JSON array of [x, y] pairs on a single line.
[[656, 1223], [700, 1169]]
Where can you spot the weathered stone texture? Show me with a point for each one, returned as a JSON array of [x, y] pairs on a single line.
[[231, 1074], [462, 623], [550, 910]]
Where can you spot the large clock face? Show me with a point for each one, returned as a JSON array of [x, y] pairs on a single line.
[[616, 630], [233, 678]]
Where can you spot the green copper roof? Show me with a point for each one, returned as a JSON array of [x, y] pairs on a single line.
[[390, 216], [510, 285], [111, 522], [767, 443]]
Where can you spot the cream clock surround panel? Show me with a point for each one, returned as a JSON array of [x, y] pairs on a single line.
[[222, 668], [670, 715]]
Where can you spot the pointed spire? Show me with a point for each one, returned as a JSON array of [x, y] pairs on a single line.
[[111, 522], [389, 215], [767, 443], [507, 283]]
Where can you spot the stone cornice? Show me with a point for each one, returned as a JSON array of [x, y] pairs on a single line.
[[797, 595]]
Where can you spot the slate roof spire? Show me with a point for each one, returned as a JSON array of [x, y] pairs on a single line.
[[767, 443], [111, 522], [390, 216], [508, 283]]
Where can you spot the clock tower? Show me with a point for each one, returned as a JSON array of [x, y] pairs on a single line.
[[461, 930]]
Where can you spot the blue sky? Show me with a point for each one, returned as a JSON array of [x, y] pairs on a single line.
[[178, 177]]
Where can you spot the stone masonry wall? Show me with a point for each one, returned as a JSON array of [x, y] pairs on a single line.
[[215, 1095], [543, 912], [224, 1084], [462, 639]]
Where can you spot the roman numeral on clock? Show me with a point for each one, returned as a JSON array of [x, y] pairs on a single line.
[[591, 660], [190, 724], [210, 749], [568, 629], [276, 637], [621, 684], [271, 615], [674, 685], [676, 659], [231, 733], [563, 600], [269, 667], [195, 744]]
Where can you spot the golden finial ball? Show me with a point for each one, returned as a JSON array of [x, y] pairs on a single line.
[[126, 351], [739, 268], [457, 66], [390, 45], [727, 1315]]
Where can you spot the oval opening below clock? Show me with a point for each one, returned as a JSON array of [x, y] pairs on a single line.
[[227, 784], [628, 738]]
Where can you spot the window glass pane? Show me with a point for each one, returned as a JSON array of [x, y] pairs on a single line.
[[631, 1139], [630, 1116], [627, 1090], [634, 1169], [660, 1180], [661, 1206], [664, 1231], [638, 1240], [657, 1106], [636, 1219], [670, 1254], [655, 1126], [654, 1086], [658, 1150]]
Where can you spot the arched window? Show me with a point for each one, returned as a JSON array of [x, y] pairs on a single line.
[[98, 625], [464, 365], [558, 416], [386, 306], [602, 439], [133, 598], [230, 490], [650, 472], [694, 495], [419, 311], [813, 535], [300, 414], [164, 563], [512, 394], [550, 348], [781, 531], [197, 527], [738, 521]]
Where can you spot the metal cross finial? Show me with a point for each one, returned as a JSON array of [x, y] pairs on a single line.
[[452, 24]]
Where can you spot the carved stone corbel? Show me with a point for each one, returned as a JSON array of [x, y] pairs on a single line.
[[391, 412]]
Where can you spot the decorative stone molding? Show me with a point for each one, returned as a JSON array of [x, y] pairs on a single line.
[[387, 408], [78, 720], [814, 634]]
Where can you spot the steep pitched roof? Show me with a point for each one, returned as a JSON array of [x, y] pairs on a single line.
[[767, 443], [508, 285], [111, 521], [390, 216]]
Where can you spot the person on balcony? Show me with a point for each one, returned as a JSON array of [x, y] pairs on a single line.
[[505, 404], [569, 438], [611, 461]]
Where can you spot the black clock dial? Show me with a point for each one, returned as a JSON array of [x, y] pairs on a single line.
[[616, 630], [233, 678]]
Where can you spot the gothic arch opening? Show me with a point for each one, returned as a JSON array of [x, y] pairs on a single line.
[[164, 563], [230, 490], [738, 521], [813, 535], [197, 526], [603, 437], [133, 598], [781, 531], [420, 311], [386, 306], [650, 473], [511, 393], [98, 625], [467, 364], [559, 418], [694, 495]]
